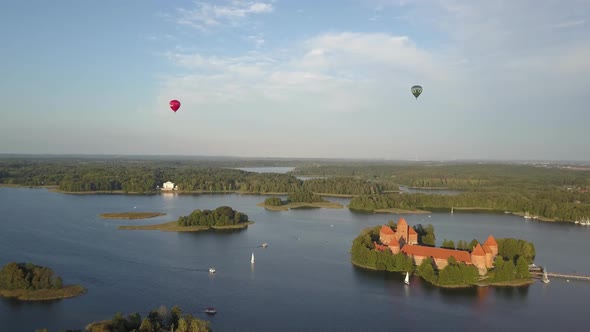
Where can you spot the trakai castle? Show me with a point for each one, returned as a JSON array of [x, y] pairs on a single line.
[[405, 239]]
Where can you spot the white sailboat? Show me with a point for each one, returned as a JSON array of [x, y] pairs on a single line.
[[252, 260], [407, 280], [545, 280]]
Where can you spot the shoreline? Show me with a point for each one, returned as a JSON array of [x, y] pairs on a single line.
[[286, 207], [44, 294], [401, 211], [172, 226], [481, 283]]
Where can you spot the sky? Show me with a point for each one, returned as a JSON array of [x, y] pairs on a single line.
[[502, 79]]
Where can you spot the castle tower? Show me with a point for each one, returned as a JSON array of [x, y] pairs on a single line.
[[491, 242], [478, 258], [402, 230]]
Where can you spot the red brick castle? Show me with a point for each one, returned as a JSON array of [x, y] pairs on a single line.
[[405, 239]]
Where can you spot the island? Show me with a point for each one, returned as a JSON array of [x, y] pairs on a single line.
[[298, 200], [222, 218], [29, 282], [157, 320], [401, 248], [131, 215]]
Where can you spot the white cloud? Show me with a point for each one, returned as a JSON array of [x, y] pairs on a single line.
[[207, 15]]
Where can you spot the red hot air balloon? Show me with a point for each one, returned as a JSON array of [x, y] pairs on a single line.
[[174, 105]]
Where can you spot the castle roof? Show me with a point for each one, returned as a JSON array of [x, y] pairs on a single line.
[[487, 249], [394, 242], [386, 230], [412, 231], [491, 241], [380, 247], [436, 253], [478, 251], [402, 221]]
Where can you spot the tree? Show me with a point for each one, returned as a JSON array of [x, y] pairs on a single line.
[[522, 268], [58, 284], [429, 240], [146, 326]]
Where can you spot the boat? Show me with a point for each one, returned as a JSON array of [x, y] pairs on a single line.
[[252, 260], [526, 215], [210, 311], [452, 208], [407, 280], [264, 245], [211, 270], [585, 222], [545, 280]]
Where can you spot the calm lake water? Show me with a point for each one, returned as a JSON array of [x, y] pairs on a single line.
[[302, 282]]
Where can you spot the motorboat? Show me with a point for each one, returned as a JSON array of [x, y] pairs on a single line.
[[211, 270], [210, 311], [264, 245]]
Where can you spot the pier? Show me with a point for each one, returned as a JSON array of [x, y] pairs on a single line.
[[537, 271]]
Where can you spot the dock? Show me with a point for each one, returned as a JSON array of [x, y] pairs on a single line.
[[537, 271]]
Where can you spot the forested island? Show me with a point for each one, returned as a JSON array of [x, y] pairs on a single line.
[[223, 217], [549, 193], [158, 320], [300, 199], [510, 267], [131, 215], [26, 281]]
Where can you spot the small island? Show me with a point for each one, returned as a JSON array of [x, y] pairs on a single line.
[[401, 248], [224, 217], [158, 320], [29, 282], [297, 200], [131, 215]]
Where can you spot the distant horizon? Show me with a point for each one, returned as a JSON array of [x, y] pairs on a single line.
[[230, 157]]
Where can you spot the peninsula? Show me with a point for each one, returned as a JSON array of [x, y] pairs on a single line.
[[296, 200], [401, 248], [223, 217], [31, 282]]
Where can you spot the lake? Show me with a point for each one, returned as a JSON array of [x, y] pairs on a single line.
[[302, 282]]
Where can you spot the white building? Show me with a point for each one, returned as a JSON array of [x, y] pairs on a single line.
[[169, 186]]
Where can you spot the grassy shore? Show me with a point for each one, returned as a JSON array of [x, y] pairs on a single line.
[[131, 215], [173, 226], [401, 211], [44, 294], [10, 185], [286, 207]]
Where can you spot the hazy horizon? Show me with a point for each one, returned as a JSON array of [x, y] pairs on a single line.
[[503, 81]]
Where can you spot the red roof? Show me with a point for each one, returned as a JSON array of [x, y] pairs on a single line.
[[478, 251], [437, 253], [386, 229], [380, 247], [487, 249], [491, 241], [393, 242], [412, 231]]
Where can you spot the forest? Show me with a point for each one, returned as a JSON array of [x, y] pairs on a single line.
[[554, 193], [157, 320], [28, 276], [221, 216]]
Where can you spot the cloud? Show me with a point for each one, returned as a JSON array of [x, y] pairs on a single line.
[[206, 15]]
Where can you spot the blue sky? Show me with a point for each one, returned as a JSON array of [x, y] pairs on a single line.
[[502, 79]]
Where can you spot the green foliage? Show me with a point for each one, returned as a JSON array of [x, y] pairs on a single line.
[[304, 197], [160, 320], [458, 274], [448, 244], [273, 201], [522, 268], [363, 253], [426, 270], [342, 186], [512, 249], [426, 235], [28, 276], [222, 216]]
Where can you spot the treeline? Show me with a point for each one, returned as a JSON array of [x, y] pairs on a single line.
[[342, 186], [221, 216], [145, 177], [160, 320], [453, 274], [27, 276], [454, 175], [558, 204]]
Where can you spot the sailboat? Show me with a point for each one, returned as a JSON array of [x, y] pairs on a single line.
[[407, 280], [452, 208], [252, 260], [545, 280]]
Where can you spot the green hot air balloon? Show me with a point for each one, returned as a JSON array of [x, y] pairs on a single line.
[[416, 90]]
